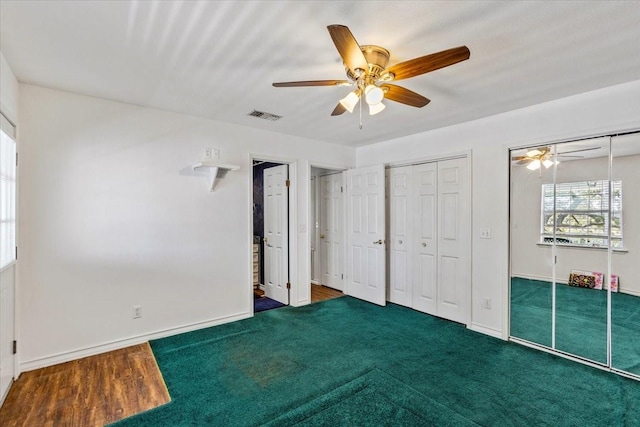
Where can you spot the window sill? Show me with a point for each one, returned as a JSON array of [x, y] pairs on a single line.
[[569, 245]]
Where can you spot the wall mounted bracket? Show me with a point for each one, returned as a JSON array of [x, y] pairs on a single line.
[[218, 170]]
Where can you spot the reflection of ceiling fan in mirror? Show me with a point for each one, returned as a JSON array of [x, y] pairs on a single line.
[[536, 158], [368, 74]]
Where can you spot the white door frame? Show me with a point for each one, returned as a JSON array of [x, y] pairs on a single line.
[[293, 221]]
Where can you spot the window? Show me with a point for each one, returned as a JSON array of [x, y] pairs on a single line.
[[7, 194], [582, 213]]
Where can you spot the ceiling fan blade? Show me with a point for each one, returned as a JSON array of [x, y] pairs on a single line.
[[578, 151], [428, 63], [524, 161], [516, 158], [404, 96], [312, 83], [348, 48], [338, 110]]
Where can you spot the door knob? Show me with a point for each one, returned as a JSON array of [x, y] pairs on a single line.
[[322, 236], [424, 245], [265, 240], [378, 242]]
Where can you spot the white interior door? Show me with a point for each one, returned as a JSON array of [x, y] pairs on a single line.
[[454, 281], [365, 234], [400, 235], [331, 230], [276, 233], [425, 230]]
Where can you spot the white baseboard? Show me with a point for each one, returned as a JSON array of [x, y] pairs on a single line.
[[486, 330], [68, 356], [540, 278], [633, 292]]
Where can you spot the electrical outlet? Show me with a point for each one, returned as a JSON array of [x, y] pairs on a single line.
[[486, 303], [485, 233], [208, 153], [215, 153], [137, 311]]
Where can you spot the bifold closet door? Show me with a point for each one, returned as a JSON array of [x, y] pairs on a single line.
[[429, 242], [454, 289], [400, 235], [425, 230]]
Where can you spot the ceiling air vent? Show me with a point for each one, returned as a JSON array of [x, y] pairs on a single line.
[[264, 116]]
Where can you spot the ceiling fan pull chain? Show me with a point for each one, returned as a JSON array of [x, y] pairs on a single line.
[[361, 113]]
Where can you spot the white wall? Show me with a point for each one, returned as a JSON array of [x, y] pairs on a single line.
[[609, 109], [534, 261], [112, 216]]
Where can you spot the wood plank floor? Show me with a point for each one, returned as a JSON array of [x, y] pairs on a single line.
[[318, 293], [92, 391], [321, 293], [96, 390]]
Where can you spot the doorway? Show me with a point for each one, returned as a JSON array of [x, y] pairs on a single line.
[[327, 233], [270, 250], [347, 240]]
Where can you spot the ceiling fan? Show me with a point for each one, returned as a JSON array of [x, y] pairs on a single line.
[[366, 68], [538, 157]]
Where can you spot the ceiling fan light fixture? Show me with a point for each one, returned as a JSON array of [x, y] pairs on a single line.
[[373, 94], [349, 102], [376, 108], [533, 153], [547, 163], [534, 165]]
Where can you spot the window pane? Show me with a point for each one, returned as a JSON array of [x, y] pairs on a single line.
[[581, 213]]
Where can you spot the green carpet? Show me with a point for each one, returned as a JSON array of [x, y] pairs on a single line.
[[581, 321], [348, 362]]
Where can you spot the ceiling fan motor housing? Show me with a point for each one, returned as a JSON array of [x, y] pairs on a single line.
[[377, 58]]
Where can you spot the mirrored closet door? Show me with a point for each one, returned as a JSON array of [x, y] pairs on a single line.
[[625, 256], [574, 250]]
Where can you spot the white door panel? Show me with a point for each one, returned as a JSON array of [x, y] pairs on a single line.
[[425, 248], [454, 291], [332, 230], [365, 234], [276, 233], [400, 239]]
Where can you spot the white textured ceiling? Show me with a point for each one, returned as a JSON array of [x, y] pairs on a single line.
[[218, 59]]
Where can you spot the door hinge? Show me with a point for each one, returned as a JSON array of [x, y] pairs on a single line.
[[16, 253], [341, 189], [342, 276], [288, 285], [288, 183], [16, 159], [15, 346]]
